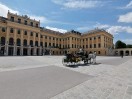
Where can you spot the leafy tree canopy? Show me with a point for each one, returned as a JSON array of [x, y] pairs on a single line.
[[120, 44]]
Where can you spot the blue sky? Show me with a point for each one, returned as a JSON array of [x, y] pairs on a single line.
[[115, 16]]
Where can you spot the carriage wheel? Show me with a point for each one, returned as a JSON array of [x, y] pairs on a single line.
[[64, 62], [85, 61]]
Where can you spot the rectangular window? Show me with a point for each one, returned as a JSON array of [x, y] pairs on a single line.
[[86, 46], [90, 45], [83, 46], [11, 30], [94, 45], [53, 44], [45, 44], [25, 33], [99, 45], [41, 36], [98, 52], [36, 34], [31, 34], [41, 43], [3, 29], [19, 20], [12, 19], [36, 25], [18, 32], [90, 38], [49, 44], [45, 37], [31, 23], [25, 22]]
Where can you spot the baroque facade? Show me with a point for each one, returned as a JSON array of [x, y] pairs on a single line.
[[20, 35]]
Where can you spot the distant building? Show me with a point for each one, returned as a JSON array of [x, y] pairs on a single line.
[[124, 51], [20, 35]]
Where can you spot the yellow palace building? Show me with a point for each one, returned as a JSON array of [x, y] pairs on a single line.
[[20, 35]]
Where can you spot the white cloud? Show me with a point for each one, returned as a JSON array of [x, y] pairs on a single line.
[[101, 26], [4, 10], [41, 18], [56, 29], [118, 29], [128, 6], [81, 4], [127, 41], [127, 18], [85, 28], [78, 3]]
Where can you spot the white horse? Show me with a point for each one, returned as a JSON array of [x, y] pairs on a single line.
[[93, 57]]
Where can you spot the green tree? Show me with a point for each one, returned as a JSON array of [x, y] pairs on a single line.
[[120, 44], [129, 46]]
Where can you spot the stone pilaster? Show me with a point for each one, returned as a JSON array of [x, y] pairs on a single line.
[[6, 49], [38, 39], [28, 40], [14, 50], [15, 33], [70, 40], [7, 34], [21, 52], [34, 51], [29, 50], [40, 51], [34, 35], [22, 32], [102, 41]]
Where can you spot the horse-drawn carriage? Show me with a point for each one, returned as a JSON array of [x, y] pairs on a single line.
[[72, 59]]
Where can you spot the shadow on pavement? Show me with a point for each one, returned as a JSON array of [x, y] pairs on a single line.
[[77, 65]]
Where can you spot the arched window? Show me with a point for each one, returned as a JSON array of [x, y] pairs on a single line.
[[127, 53], [18, 42], [31, 43], [11, 41], [2, 40], [36, 43], [25, 42]]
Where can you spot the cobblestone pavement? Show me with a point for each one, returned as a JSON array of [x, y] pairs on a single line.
[[112, 76], [109, 82]]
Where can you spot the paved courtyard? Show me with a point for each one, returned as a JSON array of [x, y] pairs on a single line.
[[44, 77]]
